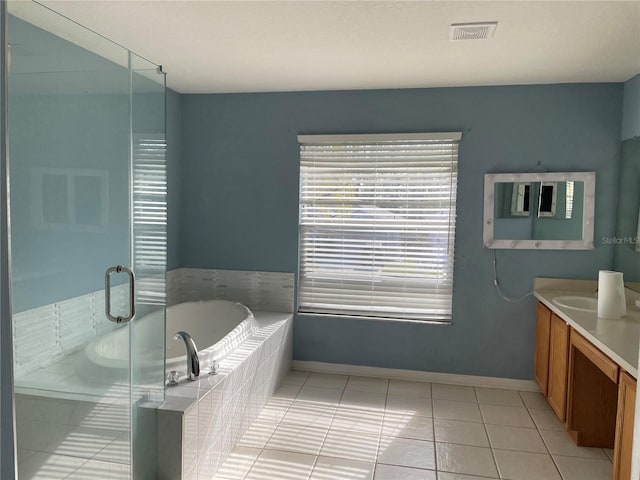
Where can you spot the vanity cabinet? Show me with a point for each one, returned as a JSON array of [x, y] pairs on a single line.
[[551, 358], [593, 394], [624, 427], [541, 358], [558, 366]]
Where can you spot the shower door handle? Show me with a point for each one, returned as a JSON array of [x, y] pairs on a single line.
[[107, 293]]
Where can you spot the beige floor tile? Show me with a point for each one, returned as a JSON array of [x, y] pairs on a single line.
[[394, 472], [465, 459], [273, 464], [368, 384], [295, 377], [545, 419], [406, 387], [407, 452], [534, 400], [48, 466], [560, 443], [465, 411], [350, 445], [286, 391], [363, 400], [294, 438], [509, 416], [463, 433], [238, 463], [326, 380], [118, 451], [309, 414], [574, 468], [258, 435], [407, 404], [274, 410], [364, 421], [497, 396], [95, 469], [457, 393], [328, 468], [83, 442], [328, 397], [609, 453], [525, 466], [460, 476], [515, 438], [407, 426]]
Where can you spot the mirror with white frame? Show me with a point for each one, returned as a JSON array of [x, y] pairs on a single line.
[[552, 211]]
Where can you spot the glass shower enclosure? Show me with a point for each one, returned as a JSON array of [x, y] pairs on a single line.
[[87, 177]]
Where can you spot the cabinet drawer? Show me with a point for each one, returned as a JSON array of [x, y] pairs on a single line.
[[599, 359]]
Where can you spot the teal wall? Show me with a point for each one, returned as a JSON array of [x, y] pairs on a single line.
[[627, 259], [631, 108], [240, 172], [67, 121], [174, 176]]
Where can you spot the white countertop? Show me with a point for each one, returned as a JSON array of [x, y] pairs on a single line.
[[618, 339]]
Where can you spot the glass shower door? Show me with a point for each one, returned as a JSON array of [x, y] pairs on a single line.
[[149, 254], [86, 153]]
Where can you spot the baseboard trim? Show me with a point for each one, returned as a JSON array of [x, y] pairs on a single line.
[[434, 377]]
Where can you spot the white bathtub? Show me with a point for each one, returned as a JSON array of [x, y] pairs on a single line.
[[216, 326]]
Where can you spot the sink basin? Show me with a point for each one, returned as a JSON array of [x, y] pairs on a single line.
[[584, 304]]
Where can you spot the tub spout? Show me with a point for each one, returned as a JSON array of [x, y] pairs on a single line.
[[193, 362]]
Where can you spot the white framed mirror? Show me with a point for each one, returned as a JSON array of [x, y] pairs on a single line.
[[539, 211]]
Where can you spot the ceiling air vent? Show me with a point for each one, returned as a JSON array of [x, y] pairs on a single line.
[[472, 31]]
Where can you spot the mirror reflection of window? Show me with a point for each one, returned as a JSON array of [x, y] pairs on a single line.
[[70, 199], [569, 200], [560, 207], [547, 201], [54, 199], [520, 199]]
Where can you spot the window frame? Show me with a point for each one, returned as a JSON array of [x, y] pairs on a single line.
[[453, 139]]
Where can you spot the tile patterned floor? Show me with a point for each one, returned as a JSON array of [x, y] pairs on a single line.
[[335, 427], [72, 440]]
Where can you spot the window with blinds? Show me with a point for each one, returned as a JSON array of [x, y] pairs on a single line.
[[377, 225]]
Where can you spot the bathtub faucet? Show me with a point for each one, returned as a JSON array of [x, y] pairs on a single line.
[[193, 362]]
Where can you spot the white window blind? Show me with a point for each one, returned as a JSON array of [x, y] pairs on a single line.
[[377, 225]]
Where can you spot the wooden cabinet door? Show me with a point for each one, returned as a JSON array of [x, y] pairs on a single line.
[[624, 427], [558, 363], [541, 356], [592, 397]]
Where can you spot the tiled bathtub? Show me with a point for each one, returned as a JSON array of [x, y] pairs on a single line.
[[201, 421]]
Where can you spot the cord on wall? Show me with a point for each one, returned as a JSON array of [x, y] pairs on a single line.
[[497, 284]]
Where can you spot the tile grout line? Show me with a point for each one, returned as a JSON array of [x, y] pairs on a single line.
[[324, 438], [262, 449], [486, 432], [433, 426], [546, 447], [384, 416]]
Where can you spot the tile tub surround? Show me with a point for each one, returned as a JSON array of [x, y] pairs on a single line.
[[321, 426], [48, 334], [260, 291], [202, 421]]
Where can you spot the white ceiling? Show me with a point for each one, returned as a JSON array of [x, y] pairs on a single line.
[[257, 46]]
